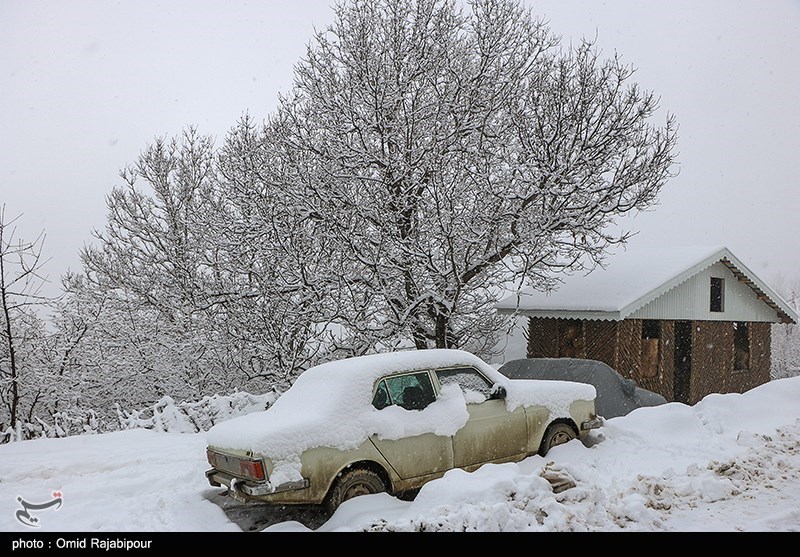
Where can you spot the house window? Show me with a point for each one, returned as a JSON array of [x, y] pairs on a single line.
[[571, 338], [717, 294], [651, 332], [741, 346]]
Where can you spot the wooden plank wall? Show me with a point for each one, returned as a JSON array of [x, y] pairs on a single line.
[[618, 344], [758, 374], [712, 365], [601, 341], [629, 348], [664, 382], [712, 358], [542, 338]]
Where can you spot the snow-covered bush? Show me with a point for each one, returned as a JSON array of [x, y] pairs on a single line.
[[191, 417], [785, 351], [165, 415]]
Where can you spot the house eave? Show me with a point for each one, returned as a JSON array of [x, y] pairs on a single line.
[[618, 310], [785, 313], [563, 314]]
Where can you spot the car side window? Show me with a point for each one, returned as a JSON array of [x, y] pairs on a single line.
[[471, 382], [412, 391], [381, 399]]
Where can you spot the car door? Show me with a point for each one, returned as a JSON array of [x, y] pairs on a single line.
[[492, 433], [417, 455]]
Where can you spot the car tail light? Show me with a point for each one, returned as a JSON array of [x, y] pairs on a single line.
[[248, 468], [252, 469]]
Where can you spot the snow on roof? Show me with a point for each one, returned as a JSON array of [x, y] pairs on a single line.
[[635, 277]]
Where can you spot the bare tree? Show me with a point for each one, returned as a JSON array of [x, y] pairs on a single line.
[[203, 275], [428, 156], [20, 289], [287, 267], [453, 151], [154, 268], [785, 359]]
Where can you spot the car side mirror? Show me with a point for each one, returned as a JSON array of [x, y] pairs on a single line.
[[498, 392], [628, 387]]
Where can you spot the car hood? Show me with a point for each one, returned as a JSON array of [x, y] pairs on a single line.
[[644, 397]]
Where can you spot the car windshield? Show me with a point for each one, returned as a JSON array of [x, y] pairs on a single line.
[[475, 387]]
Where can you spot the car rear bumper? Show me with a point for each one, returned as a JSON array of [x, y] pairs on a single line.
[[239, 488]]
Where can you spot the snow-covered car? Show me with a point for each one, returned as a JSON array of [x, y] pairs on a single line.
[[616, 395], [391, 423]]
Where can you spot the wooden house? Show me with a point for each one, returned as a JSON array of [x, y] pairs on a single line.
[[683, 322]]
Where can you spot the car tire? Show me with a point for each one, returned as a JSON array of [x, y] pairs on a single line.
[[556, 434], [353, 483]]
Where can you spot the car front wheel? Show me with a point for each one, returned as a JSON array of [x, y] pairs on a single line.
[[556, 434], [352, 484]]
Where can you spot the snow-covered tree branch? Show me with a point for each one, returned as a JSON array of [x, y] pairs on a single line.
[[450, 152], [21, 329]]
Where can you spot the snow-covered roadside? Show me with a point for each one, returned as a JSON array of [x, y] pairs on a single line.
[[729, 463], [136, 481]]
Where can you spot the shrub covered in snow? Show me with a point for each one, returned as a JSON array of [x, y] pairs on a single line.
[[191, 417], [165, 415]]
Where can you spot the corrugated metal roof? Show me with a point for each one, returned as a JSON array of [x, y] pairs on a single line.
[[634, 278]]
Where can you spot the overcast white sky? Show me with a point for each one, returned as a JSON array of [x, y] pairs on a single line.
[[85, 85]]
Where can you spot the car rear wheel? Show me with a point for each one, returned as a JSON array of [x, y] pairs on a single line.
[[556, 434], [353, 483]]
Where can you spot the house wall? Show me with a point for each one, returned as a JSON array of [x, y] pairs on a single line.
[[662, 380], [629, 347], [543, 338], [760, 355], [619, 344], [712, 358], [691, 299], [601, 341]]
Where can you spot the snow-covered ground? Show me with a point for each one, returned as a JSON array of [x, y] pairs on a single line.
[[729, 463]]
